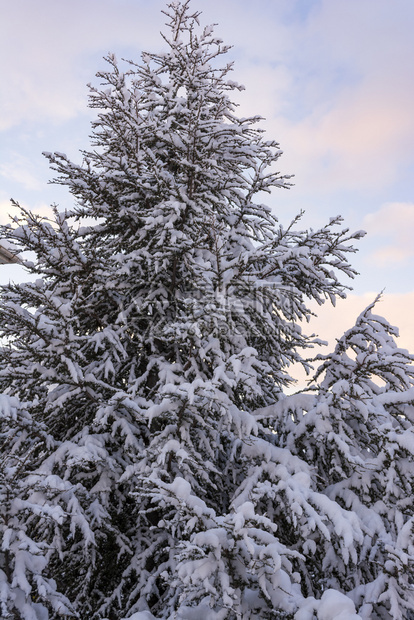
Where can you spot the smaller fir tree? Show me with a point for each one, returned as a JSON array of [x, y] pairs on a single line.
[[357, 433]]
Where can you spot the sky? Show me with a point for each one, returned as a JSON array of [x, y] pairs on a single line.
[[333, 79]]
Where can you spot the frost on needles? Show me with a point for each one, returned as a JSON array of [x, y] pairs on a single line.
[[151, 464]]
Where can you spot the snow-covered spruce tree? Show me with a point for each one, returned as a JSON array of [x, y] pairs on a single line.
[[166, 311]]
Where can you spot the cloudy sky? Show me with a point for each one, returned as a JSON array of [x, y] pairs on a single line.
[[333, 78]]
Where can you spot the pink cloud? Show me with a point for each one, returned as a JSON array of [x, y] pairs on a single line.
[[394, 223]]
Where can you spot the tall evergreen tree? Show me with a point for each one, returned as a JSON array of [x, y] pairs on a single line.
[[162, 470]]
